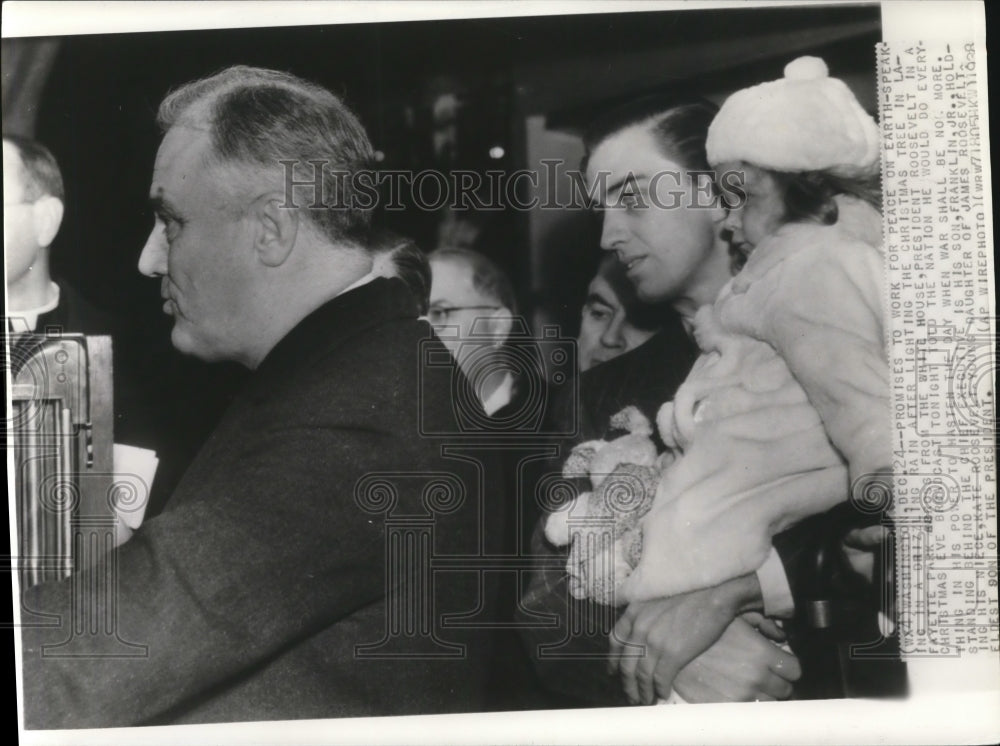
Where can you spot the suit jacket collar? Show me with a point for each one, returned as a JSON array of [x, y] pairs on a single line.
[[349, 315]]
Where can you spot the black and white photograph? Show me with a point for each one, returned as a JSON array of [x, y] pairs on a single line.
[[547, 370]]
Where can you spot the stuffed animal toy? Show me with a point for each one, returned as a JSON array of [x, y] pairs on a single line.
[[602, 525]]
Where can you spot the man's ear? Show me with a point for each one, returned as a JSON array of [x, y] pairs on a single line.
[[48, 215], [501, 322], [276, 229]]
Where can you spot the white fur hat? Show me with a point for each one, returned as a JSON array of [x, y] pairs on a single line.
[[807, 121]]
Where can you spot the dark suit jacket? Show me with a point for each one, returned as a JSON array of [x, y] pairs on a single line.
[[253, 589]]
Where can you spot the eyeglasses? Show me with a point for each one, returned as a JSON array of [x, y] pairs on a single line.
[[440, 314]]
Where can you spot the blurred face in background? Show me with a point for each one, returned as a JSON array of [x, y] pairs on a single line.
[[455, 304], [30, 221], [606, 331], [466, 320], [472, 322]]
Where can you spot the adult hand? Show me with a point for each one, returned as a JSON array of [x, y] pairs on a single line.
[[861, 547], [743, 665], [654, 640]]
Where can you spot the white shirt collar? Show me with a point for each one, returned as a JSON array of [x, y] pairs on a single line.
[[501, 395], [359, 282]]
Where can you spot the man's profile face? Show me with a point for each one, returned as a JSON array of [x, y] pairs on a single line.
[[605, 329], [20, 236], [664, 244], [202, 249]]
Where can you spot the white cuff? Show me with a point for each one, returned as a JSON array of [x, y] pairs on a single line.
[[774, 588]]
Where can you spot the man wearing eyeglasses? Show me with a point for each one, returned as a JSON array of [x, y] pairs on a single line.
[[471, 308]]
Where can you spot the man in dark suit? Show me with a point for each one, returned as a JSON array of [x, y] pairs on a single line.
[[288, 576]]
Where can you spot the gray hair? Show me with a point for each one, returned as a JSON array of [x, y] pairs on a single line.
[[261, 117], [399, 256]]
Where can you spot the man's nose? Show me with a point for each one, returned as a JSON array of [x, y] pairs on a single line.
[[612, 336], [153, 259], [613, 233]]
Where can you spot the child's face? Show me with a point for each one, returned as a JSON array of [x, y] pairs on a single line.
[[761, 213]]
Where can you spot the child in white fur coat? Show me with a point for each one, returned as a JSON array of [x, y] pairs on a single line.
[[787, 409]]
